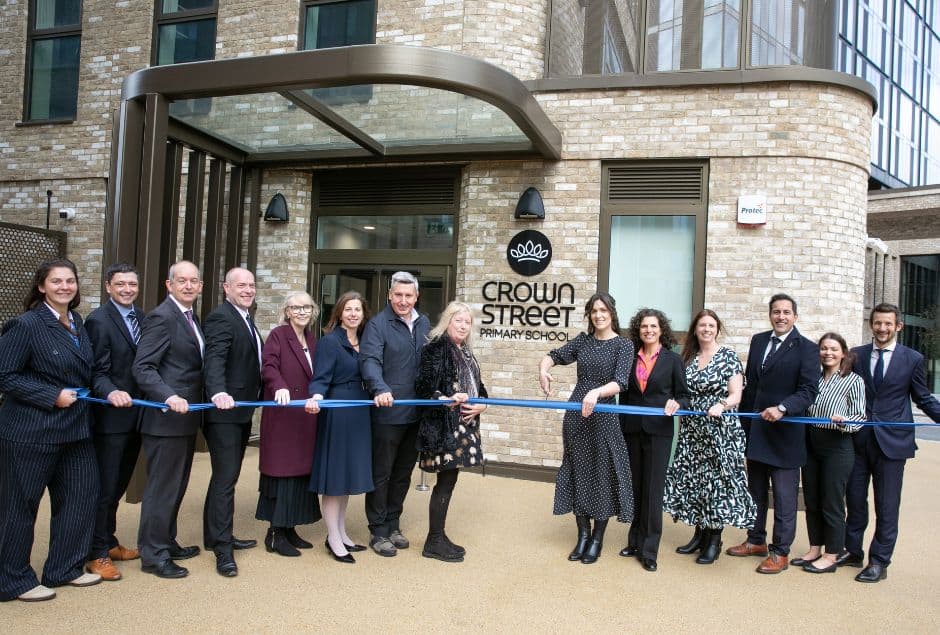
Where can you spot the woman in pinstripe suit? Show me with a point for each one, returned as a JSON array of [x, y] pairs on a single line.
[[45, 437]]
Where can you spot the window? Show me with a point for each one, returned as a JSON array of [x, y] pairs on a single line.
[[920, 308], [184, 31], [54, 43], [686, 36], [325, 24]]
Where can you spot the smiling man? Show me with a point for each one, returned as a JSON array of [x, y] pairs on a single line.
[[782, 379], [390, 351], [894, 376]]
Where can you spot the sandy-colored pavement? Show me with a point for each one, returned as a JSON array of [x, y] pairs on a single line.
[[515, 579]]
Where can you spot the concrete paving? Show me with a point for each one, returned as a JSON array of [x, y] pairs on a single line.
[[515, 579]]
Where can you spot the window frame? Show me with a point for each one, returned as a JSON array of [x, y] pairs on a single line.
[[302, 20], [33, 35], [180, 17]]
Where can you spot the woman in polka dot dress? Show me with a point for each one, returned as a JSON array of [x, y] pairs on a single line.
[[593, 481]]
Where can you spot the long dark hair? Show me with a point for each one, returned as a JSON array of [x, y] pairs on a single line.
[[35, 296], [336, 315], [848, 357], [666, 337], [691, 347], [608, 302]]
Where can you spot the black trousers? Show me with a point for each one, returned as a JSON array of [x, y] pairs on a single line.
[[393, 458], [117, 456], [227, 442], [649, 459], [70, 473], [830, 456], [169, 461], [886, 476], [786, 484]]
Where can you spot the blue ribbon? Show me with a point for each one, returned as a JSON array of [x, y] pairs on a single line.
[[84, 394]]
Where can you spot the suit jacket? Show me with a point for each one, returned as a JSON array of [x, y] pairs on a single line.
[[38, 358], [231, 362], [791, 378], [114, 358], [389, 354], [667, 381], [168, 362], [288, 435], [904, 380]]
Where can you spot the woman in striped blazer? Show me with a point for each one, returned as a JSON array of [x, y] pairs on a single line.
[[45, 437], [830, 454]]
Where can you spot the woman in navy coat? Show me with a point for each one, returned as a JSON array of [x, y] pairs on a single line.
[[342, 463], [45, 437], [657, 381]]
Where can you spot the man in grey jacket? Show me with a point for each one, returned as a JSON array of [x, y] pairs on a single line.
[[390, 351]]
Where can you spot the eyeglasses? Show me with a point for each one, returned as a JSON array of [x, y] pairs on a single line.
[[306, 308]]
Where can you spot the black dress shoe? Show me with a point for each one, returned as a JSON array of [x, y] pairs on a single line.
[[355, 547], [184, 553], [849, 559], [166, 569], [649, 564], [238, 543], [799, 562], [629, 552], [872, 573], [811, 569], [225, 565], [347, 558]]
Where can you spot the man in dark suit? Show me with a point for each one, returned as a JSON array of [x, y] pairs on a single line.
[[232, 372], [114, 330], [894, 375], [168, 369], [782, 379], [390, 350]]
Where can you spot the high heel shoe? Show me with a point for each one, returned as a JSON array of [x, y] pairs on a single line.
[[711, 546], [347, 558], [354, 547]]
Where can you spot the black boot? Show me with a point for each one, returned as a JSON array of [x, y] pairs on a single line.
[[453, 546], [293, 538], [695, 544], [593, 550], [584, 535], [434, 545], [277, 542], [712, 548]]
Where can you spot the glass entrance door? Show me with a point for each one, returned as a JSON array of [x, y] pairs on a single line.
[[372, 281]]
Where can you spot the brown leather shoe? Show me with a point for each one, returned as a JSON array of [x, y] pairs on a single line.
[[775, 563], [123, 553], [747, 549], [105, 568]]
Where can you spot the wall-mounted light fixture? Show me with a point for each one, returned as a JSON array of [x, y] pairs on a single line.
[[276, 210], [530, 205]]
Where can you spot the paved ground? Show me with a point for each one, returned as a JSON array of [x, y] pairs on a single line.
[[515, 578]]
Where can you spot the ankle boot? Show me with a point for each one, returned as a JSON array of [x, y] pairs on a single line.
[[712, 547], [584, 535], [453, 546], [593, 550], [280, 544], [293, 538], [434, 545], [695, 544], [268, 538]]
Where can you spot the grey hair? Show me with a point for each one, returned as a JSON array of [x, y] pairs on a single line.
[[285, 318], [177, 264], [403, 277], [447, 315]]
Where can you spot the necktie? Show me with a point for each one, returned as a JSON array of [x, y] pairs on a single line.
[[135, 326], [254, 334], [879, 373], [192, 323], [774, 343]]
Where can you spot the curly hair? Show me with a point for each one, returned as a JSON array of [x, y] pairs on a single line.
[[666, 337]]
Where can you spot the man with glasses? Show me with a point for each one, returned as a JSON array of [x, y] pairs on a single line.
[[390, 351]]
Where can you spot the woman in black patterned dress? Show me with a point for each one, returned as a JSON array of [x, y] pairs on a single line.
[[706, 485], [594, 478]]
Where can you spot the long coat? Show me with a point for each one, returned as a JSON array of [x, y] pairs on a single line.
[[288, 435]]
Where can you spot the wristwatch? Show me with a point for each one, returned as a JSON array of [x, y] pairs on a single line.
[[782, 408]]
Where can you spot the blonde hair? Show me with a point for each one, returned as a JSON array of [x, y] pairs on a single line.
[[447, 315], [285, 317]]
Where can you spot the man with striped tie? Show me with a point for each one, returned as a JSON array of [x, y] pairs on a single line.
[[114, 330]]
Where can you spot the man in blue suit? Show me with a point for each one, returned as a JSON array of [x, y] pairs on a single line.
[[894, 375], [782, 379]]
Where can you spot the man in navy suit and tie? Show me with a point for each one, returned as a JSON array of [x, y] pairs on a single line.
[[894, 375], [782, 379], [232, 372], [114, 330], [168, 369]]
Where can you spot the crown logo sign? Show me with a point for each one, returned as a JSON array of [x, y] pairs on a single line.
[[528, 251]]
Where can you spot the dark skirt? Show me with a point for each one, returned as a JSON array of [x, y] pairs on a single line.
[[342, 458], [285, 501]]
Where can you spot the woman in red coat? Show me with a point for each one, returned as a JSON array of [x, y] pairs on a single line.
[[288, 435]]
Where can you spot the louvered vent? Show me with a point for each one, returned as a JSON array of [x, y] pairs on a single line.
[[370, 191], [655, 183]]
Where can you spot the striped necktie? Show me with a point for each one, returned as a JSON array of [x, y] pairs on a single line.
[[135, 326]]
